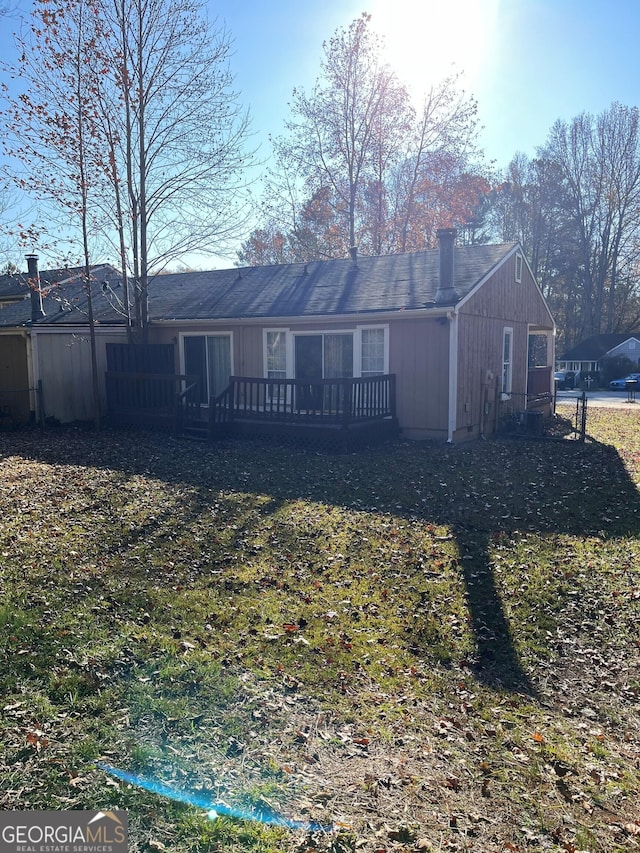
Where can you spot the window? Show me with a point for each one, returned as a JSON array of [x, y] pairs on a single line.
[[538, 350], [330, 355], [338, 356], [507, 356], [209, 358], [277, 355], [372, 352], [519, 262]]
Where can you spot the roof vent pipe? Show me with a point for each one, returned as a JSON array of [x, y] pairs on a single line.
[[37, 310], [446, 293]]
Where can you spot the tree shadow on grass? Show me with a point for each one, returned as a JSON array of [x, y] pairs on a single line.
[[497, 662], [480, 492], [530, 487]]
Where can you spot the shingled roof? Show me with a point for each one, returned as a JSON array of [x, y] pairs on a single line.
[[596, 347], [371, 285], [321, 288], [62, 290]]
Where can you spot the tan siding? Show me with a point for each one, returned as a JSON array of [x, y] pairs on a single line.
[[419, 356], [64, 365], [14, 377], [480, 368], [13, 363], [504, 298], [250, 352], [482, 322]]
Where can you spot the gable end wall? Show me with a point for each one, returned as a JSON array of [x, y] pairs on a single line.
[[501, 302]]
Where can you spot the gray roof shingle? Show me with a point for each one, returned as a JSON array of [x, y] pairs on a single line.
[[387, 283], [594, 348], [375, 284]]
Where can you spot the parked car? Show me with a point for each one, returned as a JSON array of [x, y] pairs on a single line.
[[565, 380], [621, 384]]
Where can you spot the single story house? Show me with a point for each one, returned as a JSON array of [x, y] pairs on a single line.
[[587, 355], [435, 341]]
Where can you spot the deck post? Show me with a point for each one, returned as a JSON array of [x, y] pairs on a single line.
[[347, 404]]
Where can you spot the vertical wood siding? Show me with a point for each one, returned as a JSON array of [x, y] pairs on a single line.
[[64, 366], [14, 377], [501, 302], [419, 356]]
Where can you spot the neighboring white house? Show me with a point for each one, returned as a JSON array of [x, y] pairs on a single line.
[[587, 356]]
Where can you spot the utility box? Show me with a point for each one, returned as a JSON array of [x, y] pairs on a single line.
[[532, 422]]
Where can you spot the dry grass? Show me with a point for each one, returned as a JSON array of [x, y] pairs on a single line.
[[423, 647]]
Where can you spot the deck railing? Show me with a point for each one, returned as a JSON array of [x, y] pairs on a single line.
[[340, 402]]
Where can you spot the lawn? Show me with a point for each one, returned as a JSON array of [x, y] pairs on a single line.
[[416, 647]]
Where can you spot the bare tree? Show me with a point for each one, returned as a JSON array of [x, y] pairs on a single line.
[[358, 166], [576, 210], [434, 186], [336, 133], [53, 131], [168, 139], [598, 160]]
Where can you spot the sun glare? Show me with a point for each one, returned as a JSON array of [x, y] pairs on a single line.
[[427, 40]]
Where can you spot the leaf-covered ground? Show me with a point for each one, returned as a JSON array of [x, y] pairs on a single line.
[[415, 647]]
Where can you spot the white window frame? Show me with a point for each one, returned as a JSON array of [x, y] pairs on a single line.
[[357, 346], [507, 365], [205, 334], [519, 265], [288, 360], [265, 340]]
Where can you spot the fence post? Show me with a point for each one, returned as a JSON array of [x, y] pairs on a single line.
[[583, 419]]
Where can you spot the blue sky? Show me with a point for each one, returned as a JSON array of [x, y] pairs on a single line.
[[527, 62]]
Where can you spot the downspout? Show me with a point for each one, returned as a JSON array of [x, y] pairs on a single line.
[[34, 372], [37, 312], [452, 317], [446, 294]]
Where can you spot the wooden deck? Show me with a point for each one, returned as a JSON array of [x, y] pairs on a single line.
[[339, 412], [335, 413]]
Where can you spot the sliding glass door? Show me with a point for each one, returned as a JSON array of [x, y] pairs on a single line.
[[324, 356], [209, 358]]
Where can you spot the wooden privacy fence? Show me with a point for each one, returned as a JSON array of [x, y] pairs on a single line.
[[153, 399]]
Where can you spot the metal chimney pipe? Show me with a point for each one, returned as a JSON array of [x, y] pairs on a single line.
[[446, 293], [37, 310]]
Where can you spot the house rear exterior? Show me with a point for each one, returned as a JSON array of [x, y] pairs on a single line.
[[463, 331]]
